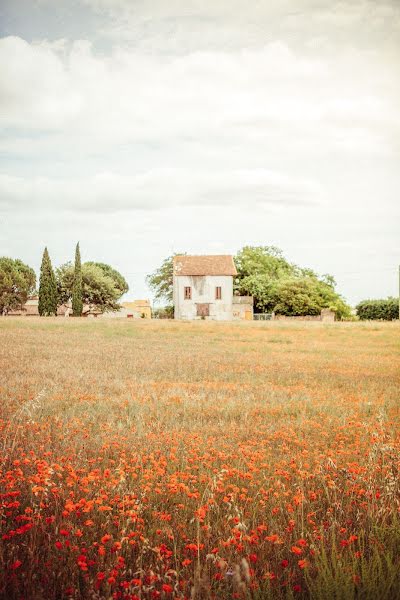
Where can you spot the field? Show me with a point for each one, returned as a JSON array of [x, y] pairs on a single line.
[[145, 460]]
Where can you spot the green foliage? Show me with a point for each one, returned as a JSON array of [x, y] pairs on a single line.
[[165, 312], [267, 261], [47, 288], [297, 296], [77, 292], [161, 280], [282, 287], [307, 296], [120, 282], [373, 574], [383, 310], [17, 282], [99, 291]]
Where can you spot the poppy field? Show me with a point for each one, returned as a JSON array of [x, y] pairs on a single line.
[[165, 460]]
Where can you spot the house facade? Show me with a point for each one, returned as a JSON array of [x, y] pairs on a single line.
[[139, 309], [203, 287]]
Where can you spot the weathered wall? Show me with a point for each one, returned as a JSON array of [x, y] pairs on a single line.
[[242, 308], [203, 292]]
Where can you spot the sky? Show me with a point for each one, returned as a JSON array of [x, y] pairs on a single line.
[[143, 128]]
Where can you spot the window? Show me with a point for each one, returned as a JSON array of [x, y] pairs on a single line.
[[218, 293], [188, 293]]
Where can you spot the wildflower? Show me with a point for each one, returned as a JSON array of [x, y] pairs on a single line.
[[284, 563], [105, 538], [303, 563], [253, 558], [353, 538]]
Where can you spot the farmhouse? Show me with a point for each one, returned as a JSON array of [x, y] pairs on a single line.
[[203, 288]]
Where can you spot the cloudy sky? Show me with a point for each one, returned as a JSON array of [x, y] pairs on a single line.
[[143, 128]]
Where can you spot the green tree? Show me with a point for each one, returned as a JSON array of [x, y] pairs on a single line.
[[307, 296], [283, 287], [47, 288], [17, 283], [262, 260], [120, 282], [259, 269], [161, 280], [77, 301], [99, 291], [382, 310]]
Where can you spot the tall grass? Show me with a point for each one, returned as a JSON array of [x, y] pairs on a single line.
[[176, 460]]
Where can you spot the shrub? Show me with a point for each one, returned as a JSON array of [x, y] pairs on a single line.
[[378, 310], [165, 312]]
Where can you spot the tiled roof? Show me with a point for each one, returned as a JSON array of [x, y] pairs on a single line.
[[219, 264]]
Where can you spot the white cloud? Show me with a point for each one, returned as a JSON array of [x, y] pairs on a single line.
[[35, 88], [111, 192], [128, 96]]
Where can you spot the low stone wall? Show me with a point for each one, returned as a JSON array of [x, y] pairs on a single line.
[[301, 318], [326, 316]]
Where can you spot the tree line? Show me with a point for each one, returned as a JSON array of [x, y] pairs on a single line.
[[263, 272], [276, 285], [94, 285]]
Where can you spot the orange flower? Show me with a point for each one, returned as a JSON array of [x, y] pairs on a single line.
[[105, 538], [303, 563]]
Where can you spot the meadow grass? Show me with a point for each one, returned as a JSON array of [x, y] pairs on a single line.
[[157, 459]]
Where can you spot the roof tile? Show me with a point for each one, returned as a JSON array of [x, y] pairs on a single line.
[[218, 264]]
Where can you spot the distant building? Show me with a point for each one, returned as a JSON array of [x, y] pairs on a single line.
[[136, 309], [133, 309], [203, 288], [140, 309], [29, 309]]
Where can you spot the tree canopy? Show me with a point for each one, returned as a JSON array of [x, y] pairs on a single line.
[[17, 283], [99, 291], [382, 310], [120, 282], [283, 287], [161, 280]]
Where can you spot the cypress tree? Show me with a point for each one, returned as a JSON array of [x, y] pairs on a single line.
[[47, 288], [77, 303]]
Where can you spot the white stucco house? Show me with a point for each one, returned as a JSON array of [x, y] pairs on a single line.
[[203, 287]]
